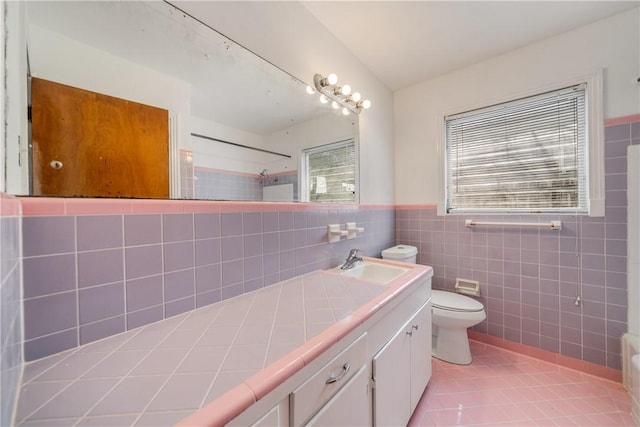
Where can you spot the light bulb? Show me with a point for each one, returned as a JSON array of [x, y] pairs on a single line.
[[310, 90], [356, 96], [332, 79], [335, 105], [345, 111], [323, 99], [365, 104], [346, 90]]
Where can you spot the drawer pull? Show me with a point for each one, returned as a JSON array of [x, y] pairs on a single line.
[[345, 370], [415, 327]]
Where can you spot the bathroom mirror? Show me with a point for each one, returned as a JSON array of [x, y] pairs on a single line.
[[237, 123]]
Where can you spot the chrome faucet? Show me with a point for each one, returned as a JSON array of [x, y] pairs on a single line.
[[352, 258]]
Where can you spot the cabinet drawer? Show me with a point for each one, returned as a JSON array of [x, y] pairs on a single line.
[[317, 390]]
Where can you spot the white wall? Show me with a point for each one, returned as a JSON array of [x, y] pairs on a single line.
[[217, 155], [611, 44], [286, 34]]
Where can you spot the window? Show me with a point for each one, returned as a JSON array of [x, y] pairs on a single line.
[[329, 172], [527, 155]]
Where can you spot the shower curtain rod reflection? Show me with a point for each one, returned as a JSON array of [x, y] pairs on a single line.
[[241, 145]]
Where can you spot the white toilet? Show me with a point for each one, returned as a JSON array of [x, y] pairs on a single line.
[[452, 314]]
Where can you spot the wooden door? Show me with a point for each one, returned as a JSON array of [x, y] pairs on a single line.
[[92, 145]]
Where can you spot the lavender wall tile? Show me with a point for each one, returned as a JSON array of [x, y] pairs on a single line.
[[287, 260], [50, 314], [285, 221], [143, 261], [253, 268], [593, 355], [208, 278], [207, 298], [232, 248], [207, 225], [99, 232], [144, 317], [232, 273], [101, 302], [50, 344], [143, 293], [271, 263], [48, 235], [232, 291], [231, 224], [616, 280], [48, 275], [615, 182], [252, 222], [100, 267], [271, 242], [179, 284], [270, 222], [616, 231], [177, 227], [208, 251], [616, 247], [102, 329], [593, 277], [593, 293], [142, 229], [616, 148], [594, 324], [178, 256], [252, 244], [287, 240], [173, 308], [617, 133]]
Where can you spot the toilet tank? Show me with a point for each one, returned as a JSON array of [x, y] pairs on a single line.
[[402, 253]]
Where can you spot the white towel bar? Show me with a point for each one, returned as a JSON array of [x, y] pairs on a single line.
[[554, 225]]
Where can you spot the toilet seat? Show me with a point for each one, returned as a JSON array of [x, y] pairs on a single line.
[[451, 301]]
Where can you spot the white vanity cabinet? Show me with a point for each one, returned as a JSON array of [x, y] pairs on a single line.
[[375, 375], [323, 395], [402, 369], [350, 407]]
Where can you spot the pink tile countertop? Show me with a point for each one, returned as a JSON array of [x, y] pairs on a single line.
[[206, 366]]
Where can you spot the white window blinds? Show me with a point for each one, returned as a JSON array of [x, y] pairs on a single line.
[[526, 155], [331, 172]]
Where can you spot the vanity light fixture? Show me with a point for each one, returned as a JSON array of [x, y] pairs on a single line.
[[340, 95]]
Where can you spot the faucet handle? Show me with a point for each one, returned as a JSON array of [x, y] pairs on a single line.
[[354, 252]]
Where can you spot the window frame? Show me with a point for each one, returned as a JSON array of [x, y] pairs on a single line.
[[594, 150], [304, 168]]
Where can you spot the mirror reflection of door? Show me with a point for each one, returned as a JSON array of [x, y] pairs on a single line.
[[93, 145]]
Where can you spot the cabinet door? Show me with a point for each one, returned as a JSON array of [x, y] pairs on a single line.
[[420, 326], [392, 378], [350, 407]]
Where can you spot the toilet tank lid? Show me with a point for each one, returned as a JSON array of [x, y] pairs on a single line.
[[451, 301], [400, 251]]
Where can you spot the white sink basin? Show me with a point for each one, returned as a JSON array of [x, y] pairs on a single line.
[[373, 271]]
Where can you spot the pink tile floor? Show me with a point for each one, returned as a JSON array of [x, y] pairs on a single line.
[[503, 388]]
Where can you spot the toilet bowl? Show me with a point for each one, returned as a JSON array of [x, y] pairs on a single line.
[[452, 314]]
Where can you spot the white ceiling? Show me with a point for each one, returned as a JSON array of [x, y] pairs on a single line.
[[406, 42]]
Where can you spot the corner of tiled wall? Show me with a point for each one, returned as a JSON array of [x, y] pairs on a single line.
[[530, 278], [10, 307]]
